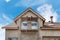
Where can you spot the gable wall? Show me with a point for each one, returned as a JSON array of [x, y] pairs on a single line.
[[19, 23], [40, 22], [29, 14]]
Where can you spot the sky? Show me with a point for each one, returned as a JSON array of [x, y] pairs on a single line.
[[10, 9]]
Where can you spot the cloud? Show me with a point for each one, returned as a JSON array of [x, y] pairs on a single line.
[[29, 3], [7, 18], [46, 11], [7, 1]]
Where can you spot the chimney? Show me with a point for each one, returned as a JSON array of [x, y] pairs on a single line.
[[51, 19]]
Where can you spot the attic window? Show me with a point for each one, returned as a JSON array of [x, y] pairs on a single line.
[[29, 23], [24, 25], [34, 25]]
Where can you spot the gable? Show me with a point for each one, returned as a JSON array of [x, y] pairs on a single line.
[[29, 12]]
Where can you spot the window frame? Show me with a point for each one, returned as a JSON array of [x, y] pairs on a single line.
[[24, 27], [34, 26], [12, 38]]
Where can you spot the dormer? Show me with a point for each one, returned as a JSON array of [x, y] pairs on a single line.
[[29, 20]]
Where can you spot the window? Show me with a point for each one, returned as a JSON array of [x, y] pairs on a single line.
[[24, 25], [13, 38], [34, 25], [29, 23]]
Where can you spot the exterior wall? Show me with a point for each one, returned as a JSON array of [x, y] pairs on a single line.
[[51, 38], [40, 23], [51, 33], [29, 36], [12, 34], [19, 23]]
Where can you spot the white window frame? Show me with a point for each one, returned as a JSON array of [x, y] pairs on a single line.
[[24, 27], [34, 27]]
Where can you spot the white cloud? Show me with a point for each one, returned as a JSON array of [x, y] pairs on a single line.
[[46, 11], [7, 18], [29, 3], [7, 1]]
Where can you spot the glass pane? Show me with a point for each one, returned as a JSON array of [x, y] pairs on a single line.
[[34, 24], [24, 24], [13, 39]]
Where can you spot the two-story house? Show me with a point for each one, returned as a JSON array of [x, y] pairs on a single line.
[[32, 26]]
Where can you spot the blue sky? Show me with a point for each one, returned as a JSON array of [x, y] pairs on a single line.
[[9, 9]]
